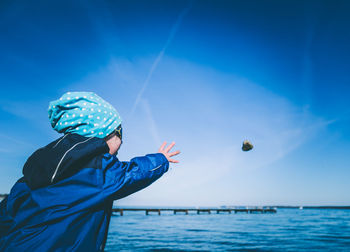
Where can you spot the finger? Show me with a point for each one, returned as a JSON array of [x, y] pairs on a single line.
[[173, 161], [174, 153], [169, 147], [162, 147]]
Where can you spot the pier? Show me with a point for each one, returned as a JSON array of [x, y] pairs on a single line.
[[195, 210], [186, 211]]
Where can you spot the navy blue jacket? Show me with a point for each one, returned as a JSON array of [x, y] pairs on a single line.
[[64, 200]]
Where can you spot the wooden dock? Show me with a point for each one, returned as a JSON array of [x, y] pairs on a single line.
[[269, 209], [195, 210], [188, 210]]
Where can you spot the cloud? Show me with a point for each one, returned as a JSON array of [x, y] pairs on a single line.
[[209, 114], [25, 109], [7, 138]]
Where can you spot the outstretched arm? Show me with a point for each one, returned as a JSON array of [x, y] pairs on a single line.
[[125, 178], [166, 153]]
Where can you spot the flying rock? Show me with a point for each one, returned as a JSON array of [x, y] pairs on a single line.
[[247, 146]]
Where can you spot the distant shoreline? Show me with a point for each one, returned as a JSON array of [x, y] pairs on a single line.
[[313, 207], [242, 207], [267, 206]]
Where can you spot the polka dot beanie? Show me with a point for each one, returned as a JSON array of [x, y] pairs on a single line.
[[83, 113]]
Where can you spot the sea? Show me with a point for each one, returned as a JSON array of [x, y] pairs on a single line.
[[286, 230]]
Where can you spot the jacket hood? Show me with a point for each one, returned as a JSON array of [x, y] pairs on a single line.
[[61, 159]]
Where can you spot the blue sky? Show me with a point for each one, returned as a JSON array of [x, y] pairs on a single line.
[[206, 74]]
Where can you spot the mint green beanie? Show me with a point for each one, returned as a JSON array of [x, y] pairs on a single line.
[[83, 113]]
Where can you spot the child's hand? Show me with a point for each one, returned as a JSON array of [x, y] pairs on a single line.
[[166, 152]]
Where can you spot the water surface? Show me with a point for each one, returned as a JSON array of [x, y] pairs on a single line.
[[287, 230]]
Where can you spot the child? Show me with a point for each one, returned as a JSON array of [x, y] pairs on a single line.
[[64, 200]]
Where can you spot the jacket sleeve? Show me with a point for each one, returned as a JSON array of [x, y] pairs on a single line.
[[121, 179]]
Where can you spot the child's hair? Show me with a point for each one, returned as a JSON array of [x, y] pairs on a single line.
[[118, 132]]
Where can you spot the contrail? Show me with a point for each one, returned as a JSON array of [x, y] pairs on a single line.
[[160, 55], [151, 122]]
